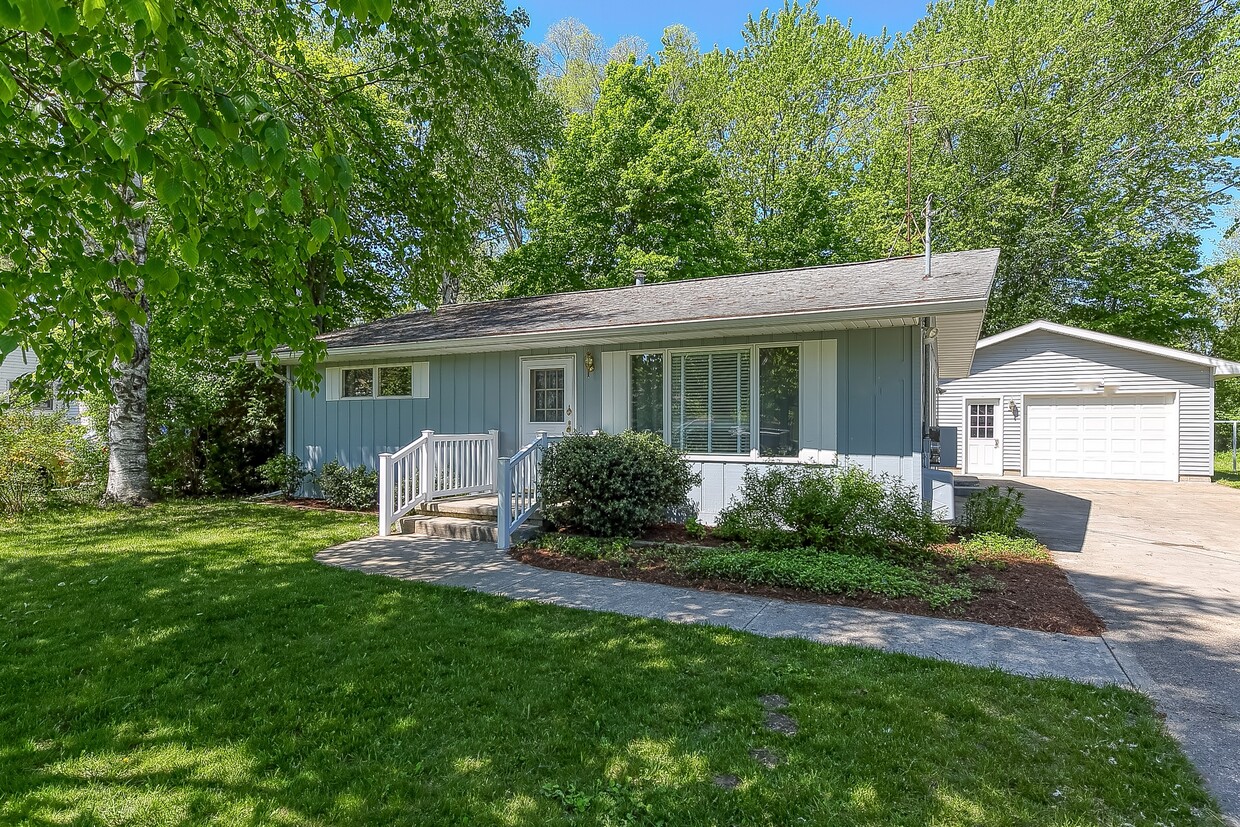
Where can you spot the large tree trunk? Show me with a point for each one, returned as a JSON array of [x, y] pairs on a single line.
[[129, 478]]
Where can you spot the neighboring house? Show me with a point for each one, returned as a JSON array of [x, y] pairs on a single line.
[[1047, 400], [819, 364], [20, 363]]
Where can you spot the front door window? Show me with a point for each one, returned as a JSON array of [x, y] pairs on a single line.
[[548, 396]]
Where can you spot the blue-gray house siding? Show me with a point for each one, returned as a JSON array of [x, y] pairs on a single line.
[[876, 415]]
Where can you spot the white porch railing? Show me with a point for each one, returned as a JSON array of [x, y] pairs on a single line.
[[518, 479], [435, 465]]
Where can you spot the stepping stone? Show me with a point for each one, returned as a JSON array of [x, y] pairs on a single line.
[[766, 757], [726, 782], [773, 701], [781, 723]]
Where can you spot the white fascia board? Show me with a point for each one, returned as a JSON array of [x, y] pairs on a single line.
[[1220, 367], [736, 326]]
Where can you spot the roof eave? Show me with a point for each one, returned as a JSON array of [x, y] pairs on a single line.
[[1219, 367], [735, 325]]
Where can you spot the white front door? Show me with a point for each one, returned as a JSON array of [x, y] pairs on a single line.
[[548, 396], [983, 452]]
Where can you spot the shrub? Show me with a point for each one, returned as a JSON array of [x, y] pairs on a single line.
[[994, 512], [354, 488], [285, 473], [841, 509], [613, 485], [829, 573], [38, 453]]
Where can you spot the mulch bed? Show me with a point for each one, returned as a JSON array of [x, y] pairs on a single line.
[[1030, 595]]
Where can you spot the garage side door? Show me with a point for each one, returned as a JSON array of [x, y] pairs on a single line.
[[1103, 437]]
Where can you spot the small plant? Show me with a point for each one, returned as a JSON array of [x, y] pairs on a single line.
[[585, 548], [285, 473], [993, 511], [613, 485], [694, 528], [842, 509], [987, 547], [353, 488]]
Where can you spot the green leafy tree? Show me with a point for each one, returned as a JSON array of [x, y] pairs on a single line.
[[631, 186], [159, 156]]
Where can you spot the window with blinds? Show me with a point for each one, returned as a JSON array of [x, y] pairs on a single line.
[[710, 402]]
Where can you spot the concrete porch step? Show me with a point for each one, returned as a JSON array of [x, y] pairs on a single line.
[[463, 528], [475, 507]]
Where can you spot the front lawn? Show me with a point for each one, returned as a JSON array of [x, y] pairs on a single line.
[[191, 664]]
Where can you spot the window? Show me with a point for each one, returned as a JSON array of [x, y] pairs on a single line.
[[396, 380], [982, 421], [646, 399], [710, 402], [779, 395], [47, 403], [547, 395], [410, 380], [355, 382], [740, 400]]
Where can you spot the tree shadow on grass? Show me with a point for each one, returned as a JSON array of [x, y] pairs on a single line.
[[182, 674]]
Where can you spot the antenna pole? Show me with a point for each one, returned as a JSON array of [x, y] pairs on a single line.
[[928, 214]]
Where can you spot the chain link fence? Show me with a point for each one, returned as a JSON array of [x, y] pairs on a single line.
[[1225, 445]]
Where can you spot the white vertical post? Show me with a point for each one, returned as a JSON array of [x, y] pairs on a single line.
[[385, 495], [491, 457], [1233, 447], [503, 514], [427, 471]]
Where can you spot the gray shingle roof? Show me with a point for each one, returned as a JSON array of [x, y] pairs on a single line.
[[872, 284]]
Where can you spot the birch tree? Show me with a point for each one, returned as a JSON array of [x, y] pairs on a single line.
[[152, 159]]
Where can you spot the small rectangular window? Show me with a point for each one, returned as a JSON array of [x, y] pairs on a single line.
[[547, 395], [779, 401], [357, 382], [646, 382], [396, 381]]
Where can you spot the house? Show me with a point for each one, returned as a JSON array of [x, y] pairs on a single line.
[[1047, 400], [825, 364], [21, 363]]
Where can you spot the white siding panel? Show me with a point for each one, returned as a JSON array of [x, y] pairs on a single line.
[[1044, 363], [615, 379]]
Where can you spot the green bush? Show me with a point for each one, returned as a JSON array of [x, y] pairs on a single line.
[[285, 473], [354, 488], [991, 511], [39, 452], [613, 485], [845, 509]]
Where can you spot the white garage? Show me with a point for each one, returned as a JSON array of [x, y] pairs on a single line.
[[1047, 400]]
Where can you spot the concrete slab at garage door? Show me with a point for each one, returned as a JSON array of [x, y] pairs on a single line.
[[1107, 436]]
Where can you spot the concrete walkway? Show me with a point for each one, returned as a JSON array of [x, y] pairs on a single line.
[[480, 567]]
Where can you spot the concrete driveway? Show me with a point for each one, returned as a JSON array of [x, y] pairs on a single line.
[[1160, 562]]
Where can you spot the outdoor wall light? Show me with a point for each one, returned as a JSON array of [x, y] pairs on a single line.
[[1012, 409], [589, 362]]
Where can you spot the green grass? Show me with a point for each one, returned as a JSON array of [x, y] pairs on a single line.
[[191, 664], [1222, 470]]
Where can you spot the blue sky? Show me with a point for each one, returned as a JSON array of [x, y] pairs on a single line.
[[719, 22], [715, 22]]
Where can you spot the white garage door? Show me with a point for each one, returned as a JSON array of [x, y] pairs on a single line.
[[1105, 437]]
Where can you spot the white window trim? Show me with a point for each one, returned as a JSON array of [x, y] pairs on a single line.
[[335, 381], [754, 451]]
